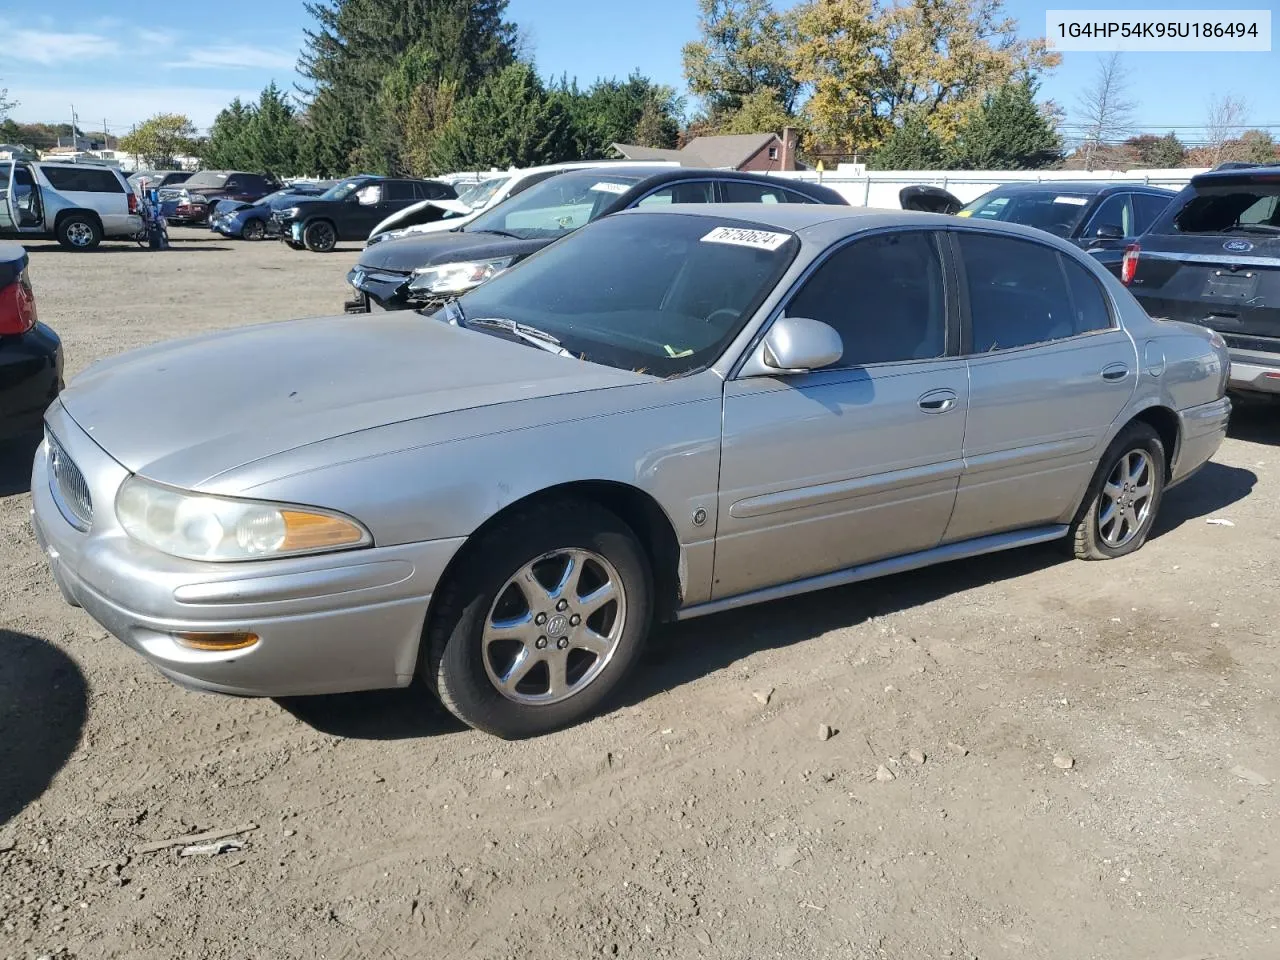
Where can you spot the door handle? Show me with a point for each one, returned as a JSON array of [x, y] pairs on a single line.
[[937, 401], [1115, 371]]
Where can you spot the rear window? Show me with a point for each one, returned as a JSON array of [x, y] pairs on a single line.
[[1057, 211], [83, 180], [1228, 208]]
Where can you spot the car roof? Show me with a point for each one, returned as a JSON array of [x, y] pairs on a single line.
[[1076, 186], [1268, 173], [823, 223]]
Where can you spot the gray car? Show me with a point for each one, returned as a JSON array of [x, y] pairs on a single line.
[[669, 413]]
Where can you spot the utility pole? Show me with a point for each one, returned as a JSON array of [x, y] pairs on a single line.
[[73, 127]]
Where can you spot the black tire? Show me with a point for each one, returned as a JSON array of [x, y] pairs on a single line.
[[1086, 533], [294, 245], [320, 236], [79, 231], [454, 664], [253, 230]]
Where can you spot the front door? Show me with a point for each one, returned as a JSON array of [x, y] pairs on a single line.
[[1049, 372], [859, 461]]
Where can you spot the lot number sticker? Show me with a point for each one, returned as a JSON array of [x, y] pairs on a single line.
[[742, 237], [605, 186]]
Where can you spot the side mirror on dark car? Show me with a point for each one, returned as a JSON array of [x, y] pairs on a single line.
[[1109, 231]]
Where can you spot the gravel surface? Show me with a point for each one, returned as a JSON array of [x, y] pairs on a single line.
[[1016, 756]]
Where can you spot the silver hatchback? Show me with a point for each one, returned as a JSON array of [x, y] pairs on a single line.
[[669, 413]]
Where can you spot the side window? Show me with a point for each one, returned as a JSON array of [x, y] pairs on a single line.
[[794, 197], [884, 295], [397, 190], [1146, 207], [1116, 211], [698, 192], [234, 184], [1088, 303], [1017, 292], [740, 191], [83, 180], [370, 195]]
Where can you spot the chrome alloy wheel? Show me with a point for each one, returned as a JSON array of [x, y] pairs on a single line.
[[1126, 498], [79, 234], [554, 626]]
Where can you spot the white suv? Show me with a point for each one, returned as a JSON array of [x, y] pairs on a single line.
[[77, 204]]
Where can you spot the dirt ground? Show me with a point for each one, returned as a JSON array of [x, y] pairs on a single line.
[[703, 817]]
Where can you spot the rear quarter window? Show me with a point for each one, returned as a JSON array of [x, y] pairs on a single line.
[[83, 180], [1218, 209]]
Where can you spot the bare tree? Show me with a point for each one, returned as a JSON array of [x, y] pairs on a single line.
[[1222, 126], [1104, 107]]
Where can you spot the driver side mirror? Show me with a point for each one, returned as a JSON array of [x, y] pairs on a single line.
[[1109, 231], [795, 345]]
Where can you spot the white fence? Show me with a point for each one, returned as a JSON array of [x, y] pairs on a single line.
[[879, 188]]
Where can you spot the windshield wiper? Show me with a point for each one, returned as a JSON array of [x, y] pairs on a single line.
[[499, 233], [522, 332], [1251, 228]]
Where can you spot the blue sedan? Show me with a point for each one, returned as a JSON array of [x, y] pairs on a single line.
[[252, 221]]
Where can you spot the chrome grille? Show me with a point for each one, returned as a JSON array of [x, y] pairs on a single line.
[[68, 486]]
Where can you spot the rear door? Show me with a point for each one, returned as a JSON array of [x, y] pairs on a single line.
[[1213, 258], [1050, 369]]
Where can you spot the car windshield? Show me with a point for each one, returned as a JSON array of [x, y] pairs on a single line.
[[656, 293], [344, 188], [1243, 208], [556, 206], [479, 194], [1057, 211]]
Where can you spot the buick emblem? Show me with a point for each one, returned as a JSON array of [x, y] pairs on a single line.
[[1238, 246], [557, 624]]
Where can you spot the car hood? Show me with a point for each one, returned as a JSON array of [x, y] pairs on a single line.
[[186, 411], [409, 252]]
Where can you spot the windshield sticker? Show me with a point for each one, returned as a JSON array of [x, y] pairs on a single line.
[[608, 186], [674, 353], [1074, 201], [742, 237], [965, 213]]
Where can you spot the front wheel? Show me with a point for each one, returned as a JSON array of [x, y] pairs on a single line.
[[253, 230], [320, 236], [542, 620], [1123, 498]]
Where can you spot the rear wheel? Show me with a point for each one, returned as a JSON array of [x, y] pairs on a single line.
[[253, 230], [79, 231], [542, 620], [320, 236], [1123, 498]]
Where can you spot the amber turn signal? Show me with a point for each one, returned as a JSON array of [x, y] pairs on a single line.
[[216, 641], [315, 531]]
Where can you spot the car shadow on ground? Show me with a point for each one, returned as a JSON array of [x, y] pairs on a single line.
[[682, 652], [411, 713], [1256, 423], [43, 705], [16, 455], [183, 244]]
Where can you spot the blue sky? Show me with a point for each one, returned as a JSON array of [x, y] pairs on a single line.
[[122, 63]]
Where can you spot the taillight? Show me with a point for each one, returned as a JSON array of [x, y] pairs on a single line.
[[1129, 265], [17, 307], [133, 202]]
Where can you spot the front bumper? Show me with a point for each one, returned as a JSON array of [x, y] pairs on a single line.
[[327, 623], [1254, 372], [380, 289]]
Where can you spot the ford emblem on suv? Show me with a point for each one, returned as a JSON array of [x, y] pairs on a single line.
[[1238, 246]]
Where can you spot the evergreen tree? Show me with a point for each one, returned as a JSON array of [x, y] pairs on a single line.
[[225, 147], [1008, 132], [271, 137], [911, 146], [511, 120]]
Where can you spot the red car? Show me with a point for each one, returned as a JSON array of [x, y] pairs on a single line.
[[194, 200]]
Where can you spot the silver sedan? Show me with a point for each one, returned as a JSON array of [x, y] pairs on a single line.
[[670, 413]]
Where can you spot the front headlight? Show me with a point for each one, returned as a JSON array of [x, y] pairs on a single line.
[[449, 279], [195, 526], [289, 213], [197, 198]]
